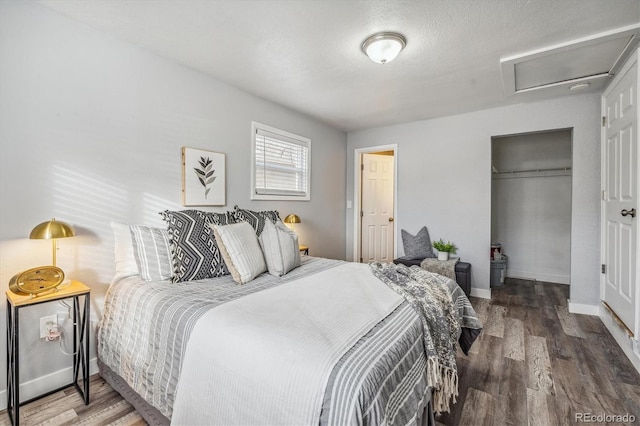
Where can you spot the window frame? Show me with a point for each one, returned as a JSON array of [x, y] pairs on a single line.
[[301, 140]]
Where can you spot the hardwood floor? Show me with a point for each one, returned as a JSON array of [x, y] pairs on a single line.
[[67, 407], [534, 364], [537, 364]]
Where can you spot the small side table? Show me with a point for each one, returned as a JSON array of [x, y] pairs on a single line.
[[304, 250], [81, 331]]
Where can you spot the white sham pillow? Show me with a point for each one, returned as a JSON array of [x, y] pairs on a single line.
[[240, 250], [125, 260], [152, 251], [280, 248]]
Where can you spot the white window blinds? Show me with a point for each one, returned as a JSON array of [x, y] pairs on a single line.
[[281, 164]]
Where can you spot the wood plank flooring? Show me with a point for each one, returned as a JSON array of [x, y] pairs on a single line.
[[537, 364], [534, 364], [66, 407]]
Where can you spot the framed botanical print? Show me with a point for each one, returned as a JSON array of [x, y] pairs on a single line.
[[203, 178]]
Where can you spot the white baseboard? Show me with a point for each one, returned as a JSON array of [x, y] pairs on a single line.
[[628, 345], [579, 308], [481, 293], [47, 383], [550, 278]]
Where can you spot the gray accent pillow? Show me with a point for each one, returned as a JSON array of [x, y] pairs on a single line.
[[152, 251], [417, 246], [280, 248]]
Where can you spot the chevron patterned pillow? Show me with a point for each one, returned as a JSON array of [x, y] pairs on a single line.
[[255, 219], [194, 248]]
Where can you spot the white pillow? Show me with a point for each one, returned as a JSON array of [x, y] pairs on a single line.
[[152, 251], [126, 265], [280, 248], [240, 250]]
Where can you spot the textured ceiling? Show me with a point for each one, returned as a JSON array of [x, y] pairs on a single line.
[[306, 54]]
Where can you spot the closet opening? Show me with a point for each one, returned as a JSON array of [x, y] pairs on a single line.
[[531, 206]]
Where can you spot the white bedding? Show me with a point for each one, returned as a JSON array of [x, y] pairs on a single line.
[[268, 371]]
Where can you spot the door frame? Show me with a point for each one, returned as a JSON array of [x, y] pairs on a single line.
[[635, 327], [357, 185]]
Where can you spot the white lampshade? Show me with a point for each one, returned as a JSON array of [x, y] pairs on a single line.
[[383, 47]]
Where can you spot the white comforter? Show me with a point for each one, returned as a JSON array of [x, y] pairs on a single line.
[[267, 357]]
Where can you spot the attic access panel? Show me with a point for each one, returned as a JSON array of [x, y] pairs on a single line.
[[591, 59]]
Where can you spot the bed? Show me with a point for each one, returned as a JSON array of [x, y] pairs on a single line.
[[329, 342]]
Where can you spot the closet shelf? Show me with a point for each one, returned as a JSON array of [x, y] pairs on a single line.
[[557, 169], [526, 173]]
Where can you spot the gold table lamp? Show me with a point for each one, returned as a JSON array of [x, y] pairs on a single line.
[[291, 220], [42, 279], [52, 230]]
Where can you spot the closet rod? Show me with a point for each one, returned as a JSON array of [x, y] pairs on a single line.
[[557, 169]]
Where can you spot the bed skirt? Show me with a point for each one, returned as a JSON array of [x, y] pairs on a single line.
[[148, 412]]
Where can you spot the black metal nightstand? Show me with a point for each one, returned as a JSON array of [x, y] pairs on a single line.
[[81, 332]]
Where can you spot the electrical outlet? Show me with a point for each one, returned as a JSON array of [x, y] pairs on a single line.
[[46, 323]]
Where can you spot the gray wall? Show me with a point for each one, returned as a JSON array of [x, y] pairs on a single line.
[[91, 130], [531, 212], [444, 180]]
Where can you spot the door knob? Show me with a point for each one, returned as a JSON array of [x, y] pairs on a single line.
[[626, 212], [390, 219]]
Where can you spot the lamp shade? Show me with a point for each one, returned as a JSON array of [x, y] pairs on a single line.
[[383, 47], [292, 218], [52, 229]]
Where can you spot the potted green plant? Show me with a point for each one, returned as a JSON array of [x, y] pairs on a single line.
[[444, 249]]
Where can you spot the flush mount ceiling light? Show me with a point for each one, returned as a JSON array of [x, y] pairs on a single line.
[[384, 47]]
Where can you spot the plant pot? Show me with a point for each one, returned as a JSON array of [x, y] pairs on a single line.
[[443, 255]]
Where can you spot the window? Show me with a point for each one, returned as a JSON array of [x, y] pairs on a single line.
[[281, 165]]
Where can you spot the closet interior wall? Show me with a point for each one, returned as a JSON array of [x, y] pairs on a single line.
[[531, 203]]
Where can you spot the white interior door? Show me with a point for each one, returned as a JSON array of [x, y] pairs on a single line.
[[377, 208], [620, 168]]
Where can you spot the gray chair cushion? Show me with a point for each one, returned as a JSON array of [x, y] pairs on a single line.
[[417, 246]]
